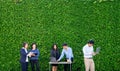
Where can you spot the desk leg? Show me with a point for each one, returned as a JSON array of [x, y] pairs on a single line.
[[70, 67], [49, 67]]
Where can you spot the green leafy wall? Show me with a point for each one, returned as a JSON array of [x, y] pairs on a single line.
[[57, 21]]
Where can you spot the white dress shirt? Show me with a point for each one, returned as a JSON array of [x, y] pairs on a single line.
[[88, 51]]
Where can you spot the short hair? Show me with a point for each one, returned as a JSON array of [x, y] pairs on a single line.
[[64, 44], [24, 44], [91, 42]]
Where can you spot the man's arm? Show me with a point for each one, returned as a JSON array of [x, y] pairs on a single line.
[[93, 53], [62, 54]]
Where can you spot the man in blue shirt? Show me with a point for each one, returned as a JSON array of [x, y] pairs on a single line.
[[67, 51]]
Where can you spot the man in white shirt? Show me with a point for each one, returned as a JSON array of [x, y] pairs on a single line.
[[88, 52]]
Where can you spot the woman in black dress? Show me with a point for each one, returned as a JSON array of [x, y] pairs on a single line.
[[55, 53]]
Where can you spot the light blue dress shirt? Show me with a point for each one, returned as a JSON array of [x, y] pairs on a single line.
[[68, 53]]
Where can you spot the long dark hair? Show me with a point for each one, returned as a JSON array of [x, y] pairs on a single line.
[[53, 47], [33, 44]]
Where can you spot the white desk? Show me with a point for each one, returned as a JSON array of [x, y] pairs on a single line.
[[62, 63]]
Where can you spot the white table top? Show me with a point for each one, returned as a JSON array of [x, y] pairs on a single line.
[[60, 62]]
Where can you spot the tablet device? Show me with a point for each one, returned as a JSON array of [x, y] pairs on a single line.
[[98, 49]]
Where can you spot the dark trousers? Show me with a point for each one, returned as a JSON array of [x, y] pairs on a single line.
[[67, 66], [35, 65], [24, 66]]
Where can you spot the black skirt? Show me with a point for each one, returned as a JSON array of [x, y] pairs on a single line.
[[54, 64]]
